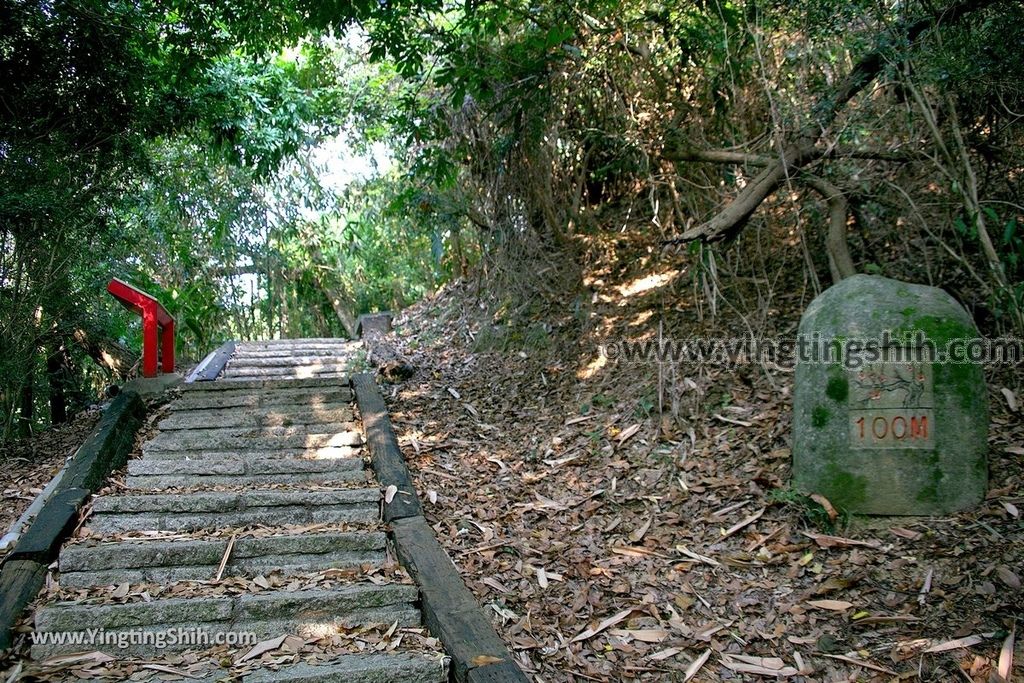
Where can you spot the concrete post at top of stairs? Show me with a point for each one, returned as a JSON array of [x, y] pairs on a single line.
[[374, 322]]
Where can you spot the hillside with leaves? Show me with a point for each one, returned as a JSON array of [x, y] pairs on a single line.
[[532, 180]]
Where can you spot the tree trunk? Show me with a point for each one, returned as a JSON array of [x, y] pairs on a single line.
[[26, 414]]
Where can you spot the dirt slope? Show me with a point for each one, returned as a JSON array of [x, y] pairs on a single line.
[[623, 524]]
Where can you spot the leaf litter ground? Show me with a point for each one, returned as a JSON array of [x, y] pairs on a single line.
[[610, 540]]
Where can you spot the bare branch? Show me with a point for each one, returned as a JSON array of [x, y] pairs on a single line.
[[839, 260], [804, 148]]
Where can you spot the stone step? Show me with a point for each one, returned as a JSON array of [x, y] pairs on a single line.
[[278, 399], [285, 373], [231, 438], [307, 352], [323, 453], [242, 467], [281, 416], [219, 509], [198, 560], [292, 377], [265, 615], [247, 432], [298, 352], [297, 340], [239, 372], [161, 482], [279, 361], [229, 385], [402, 667]]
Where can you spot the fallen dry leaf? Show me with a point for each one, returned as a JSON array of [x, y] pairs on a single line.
[[958, 643], [607, 623], [833, 605], [696, 666], [261, 648]]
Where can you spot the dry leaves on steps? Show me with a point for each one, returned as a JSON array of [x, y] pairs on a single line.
[[286, 640], [169, 670]]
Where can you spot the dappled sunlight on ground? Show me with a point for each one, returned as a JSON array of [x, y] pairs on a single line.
[[622, 522], [642, 285]]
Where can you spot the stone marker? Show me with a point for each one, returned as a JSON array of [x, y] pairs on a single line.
[[895, 430]]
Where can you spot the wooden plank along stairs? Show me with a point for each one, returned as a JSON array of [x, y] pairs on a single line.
[[282, 414]]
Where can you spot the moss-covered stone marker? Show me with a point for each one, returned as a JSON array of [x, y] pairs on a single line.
[[894, 430]]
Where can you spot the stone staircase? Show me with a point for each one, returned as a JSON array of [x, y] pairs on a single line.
[[292, 359], [260, 473]]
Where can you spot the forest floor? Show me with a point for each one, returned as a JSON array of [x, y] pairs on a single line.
[[29, 464], [612, 540]]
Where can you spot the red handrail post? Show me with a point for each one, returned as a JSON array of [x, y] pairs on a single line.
[[167, 347], [157, 325]]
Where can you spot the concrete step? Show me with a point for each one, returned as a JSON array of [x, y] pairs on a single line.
[[242, 416], [161, 482], [404, 667], [240, 370], [228, 385], [285, 377], [323, 453], [219, 509], [272, 439], [241, 467], [247, 432], [197, 560], [298, 348], [293, 352], [283, 373], [277, 399], [289, 361], [265, 615], [297, 340]]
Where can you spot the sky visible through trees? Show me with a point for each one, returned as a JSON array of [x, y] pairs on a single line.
[[208, 152]]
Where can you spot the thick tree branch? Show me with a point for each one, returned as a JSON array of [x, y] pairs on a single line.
[[839, 260], [680, 152], [804, 149]]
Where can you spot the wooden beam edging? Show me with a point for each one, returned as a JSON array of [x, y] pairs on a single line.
[[24, 569], [211, 366], [450, 610], [385, 455]]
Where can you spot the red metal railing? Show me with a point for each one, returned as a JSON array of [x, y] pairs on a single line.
[[157, 326]]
